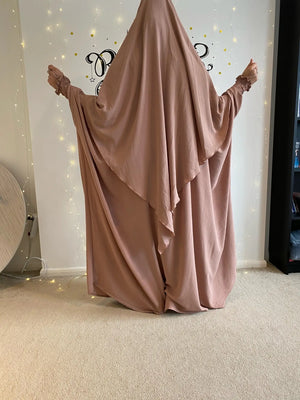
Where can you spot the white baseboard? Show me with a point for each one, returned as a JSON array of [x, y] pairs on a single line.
[[77, 271], [243, 264], [71, 271]]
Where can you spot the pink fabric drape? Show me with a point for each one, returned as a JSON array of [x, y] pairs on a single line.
[[154, 150]]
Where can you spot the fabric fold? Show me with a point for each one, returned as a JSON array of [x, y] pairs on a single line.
[[158, 116], [160, 136]]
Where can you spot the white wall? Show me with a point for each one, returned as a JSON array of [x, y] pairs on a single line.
[[15, 140], [234, 30]]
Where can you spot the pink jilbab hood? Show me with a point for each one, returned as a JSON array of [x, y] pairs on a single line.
[[154, 150]]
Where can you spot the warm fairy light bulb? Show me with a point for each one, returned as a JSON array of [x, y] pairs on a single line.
[[120, 20], [63, 56], [72, 163], [72, 148], [234, 39], [215, 28], [49, 12], [60, 9], [61, 138], [23, 44], [233, 9]]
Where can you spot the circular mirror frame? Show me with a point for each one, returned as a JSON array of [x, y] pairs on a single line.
[[12, 216]]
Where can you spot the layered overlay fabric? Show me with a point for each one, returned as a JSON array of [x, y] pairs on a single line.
[[154, 150]]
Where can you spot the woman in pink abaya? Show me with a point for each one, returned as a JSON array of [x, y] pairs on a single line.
[[154, 150]]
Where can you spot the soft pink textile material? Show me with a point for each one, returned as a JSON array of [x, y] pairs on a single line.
[[154, 150]]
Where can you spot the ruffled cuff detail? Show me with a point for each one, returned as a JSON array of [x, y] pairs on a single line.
[[63, 84], [244, 83]]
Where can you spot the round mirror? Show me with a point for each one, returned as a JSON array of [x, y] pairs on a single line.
[[12, 216]]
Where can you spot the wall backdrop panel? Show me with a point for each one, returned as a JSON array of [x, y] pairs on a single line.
[[65, 32], [15, 140]]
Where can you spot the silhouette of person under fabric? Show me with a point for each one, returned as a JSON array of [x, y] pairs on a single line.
[[154, 150]]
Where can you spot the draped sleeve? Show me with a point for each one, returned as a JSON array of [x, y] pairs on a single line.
[[161, 190]]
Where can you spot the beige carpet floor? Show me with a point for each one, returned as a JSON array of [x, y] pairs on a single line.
[[56, 342]]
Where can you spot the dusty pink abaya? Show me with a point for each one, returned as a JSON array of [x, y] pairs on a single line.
[[154, 151]]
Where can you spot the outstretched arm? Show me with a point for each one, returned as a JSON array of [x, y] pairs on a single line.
[[58, 81], [247, 78], [243, 83], [251, 72]]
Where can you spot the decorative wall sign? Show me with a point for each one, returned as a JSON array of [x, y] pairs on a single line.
[[100, 62], [203, 51]]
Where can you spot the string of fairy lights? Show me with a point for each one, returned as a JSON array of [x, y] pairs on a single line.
[[64, 42], [22, 132], [20, 117]]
